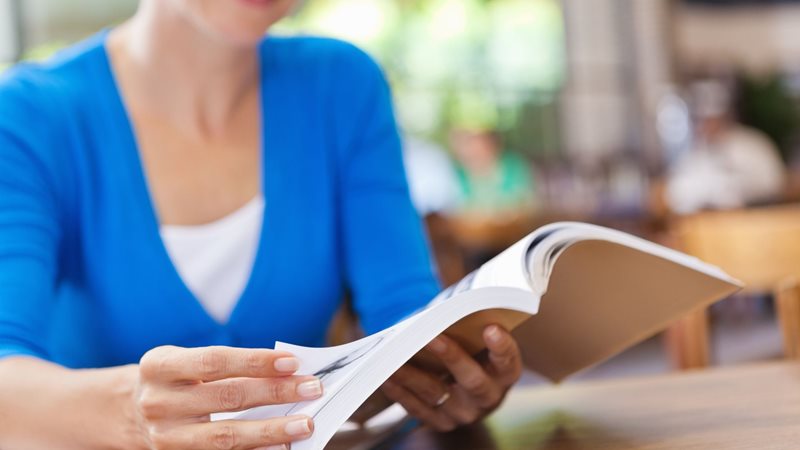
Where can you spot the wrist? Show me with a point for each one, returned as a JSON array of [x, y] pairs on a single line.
[[118, 387]]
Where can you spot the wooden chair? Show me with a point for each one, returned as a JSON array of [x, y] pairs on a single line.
[[760, 247], [787, 303]]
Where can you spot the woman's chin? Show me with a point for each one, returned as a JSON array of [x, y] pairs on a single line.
[[239, 22]]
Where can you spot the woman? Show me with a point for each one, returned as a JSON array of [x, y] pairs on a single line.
[[124, 165]]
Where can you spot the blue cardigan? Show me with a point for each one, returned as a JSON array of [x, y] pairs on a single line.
[[85, 280]]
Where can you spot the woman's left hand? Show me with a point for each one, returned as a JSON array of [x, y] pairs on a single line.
[[477, 390]]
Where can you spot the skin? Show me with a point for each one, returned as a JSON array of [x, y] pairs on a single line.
[[477, 389], [196, 118], [477, 151]]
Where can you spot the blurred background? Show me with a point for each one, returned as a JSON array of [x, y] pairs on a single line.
[[676, 120]]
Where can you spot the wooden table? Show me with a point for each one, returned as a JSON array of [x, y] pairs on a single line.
[[746, 407]]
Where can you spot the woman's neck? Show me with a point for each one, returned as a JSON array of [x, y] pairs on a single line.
[[184, 73]]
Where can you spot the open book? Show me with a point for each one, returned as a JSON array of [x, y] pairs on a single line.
[[574, 294]]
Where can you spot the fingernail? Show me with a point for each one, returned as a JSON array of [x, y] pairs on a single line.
[[493, 334], [310, 389], [276, 447], [437, 345], [288, 364], [298, 427]]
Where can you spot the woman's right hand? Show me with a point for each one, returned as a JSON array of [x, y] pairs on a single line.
[[179, 388]]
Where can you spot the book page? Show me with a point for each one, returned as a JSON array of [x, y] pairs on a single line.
[[603, 297], [334, 366]]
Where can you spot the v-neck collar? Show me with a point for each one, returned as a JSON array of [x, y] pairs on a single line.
[[143, 200]]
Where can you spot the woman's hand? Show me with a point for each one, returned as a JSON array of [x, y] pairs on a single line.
[[478, 389], [179, 388]]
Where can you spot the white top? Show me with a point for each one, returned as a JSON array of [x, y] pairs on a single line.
[[741, 168], [215, 259]]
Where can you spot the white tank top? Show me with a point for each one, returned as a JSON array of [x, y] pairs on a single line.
[[215, 260]]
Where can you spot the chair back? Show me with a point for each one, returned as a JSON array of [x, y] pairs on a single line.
[[760, 246]]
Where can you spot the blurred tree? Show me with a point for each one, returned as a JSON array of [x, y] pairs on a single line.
[[483, 63], [766, 103]]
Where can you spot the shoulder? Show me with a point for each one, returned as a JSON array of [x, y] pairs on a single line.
[[305, 49], [751, 136], [325, 57], [51, 86]]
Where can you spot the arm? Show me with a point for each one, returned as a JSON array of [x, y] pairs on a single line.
[[386, 255], [162, 403], [390, 271], [43, 405]]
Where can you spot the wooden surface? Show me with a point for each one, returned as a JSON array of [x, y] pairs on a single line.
[[759, 246], [687, 341], [787, 302], [747, 407]]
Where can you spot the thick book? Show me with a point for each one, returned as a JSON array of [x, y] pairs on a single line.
[[574, 295]]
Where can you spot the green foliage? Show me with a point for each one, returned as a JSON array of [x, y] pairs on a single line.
[[473, 63], [38, 53], [765, 103]]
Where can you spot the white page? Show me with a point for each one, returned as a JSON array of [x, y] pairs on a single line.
[[499, 284], [333, 365]]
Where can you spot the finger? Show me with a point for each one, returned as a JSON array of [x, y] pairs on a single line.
[[234, 394], [236, 434], [416, 408], [175, 364], [466, 371], [461, 407], [504, 356], [427, 387]]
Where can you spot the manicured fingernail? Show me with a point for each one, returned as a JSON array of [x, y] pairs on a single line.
[[309, 389], [438, 345], [493, 334], [288, 364], [298, 427]]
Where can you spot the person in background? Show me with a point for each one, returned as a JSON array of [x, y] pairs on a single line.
[[728, 165], [493, 181], [176, 194]]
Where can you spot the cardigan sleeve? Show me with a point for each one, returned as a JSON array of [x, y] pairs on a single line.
[[387, 262], [29, 225]]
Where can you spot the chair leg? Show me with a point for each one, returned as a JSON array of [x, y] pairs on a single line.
[[687, 341], [787, 302]]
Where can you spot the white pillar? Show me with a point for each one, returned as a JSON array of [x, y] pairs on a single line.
[[9, 42], [593, 103], [619, 59]]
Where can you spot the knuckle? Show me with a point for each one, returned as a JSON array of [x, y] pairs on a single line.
[[151, 405], [211, 363], [279, 392], [489, 402], [475, 384], [255, 361], [153, 362], [269, 434], [232, 397], [224, 438]]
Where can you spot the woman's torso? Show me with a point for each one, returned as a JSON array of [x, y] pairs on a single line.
[[119, 294]]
